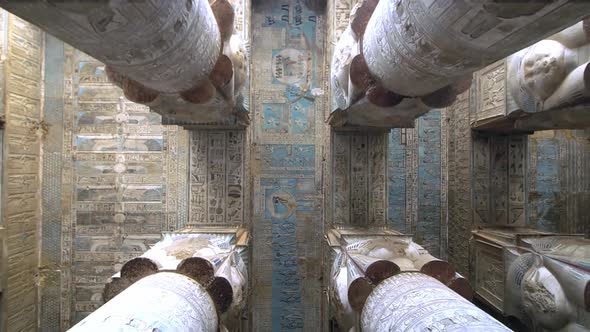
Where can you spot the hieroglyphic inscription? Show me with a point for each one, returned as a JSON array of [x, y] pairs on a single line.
[[67, 190], [359, 179], [171, 189], [198, 177], [286, 165], [359, 162], [491, 91], [576, 181], [216, 177], [291, 208], [123, 170], [516, 180], [544, 188], [481, 179], [429, 182], [234, 168], [50, 305], [241, 18], [377, 170], [459, 182], [341, 17], [396, 182], [286, 201], [411, 168], [183, 151], [22, 61], [559, 181], [499, 179], [489, 274], [341, 179]]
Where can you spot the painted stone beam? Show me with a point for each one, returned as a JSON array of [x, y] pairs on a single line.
[[413, 301], [179, 57], [164, 301]]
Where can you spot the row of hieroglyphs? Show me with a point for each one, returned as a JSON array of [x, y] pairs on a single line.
[[22, 46]]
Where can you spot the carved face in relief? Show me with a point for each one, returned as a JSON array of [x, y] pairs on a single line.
[[544, 300], [544, 68]]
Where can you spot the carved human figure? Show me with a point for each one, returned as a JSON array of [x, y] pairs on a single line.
[[544, 299], [544, 67], [549, 288], [551, 73]]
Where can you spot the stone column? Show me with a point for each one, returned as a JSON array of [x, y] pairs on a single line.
[[412, 301], [213, 260], [167, 46], [362, 263], [164, 301], [415, 48]]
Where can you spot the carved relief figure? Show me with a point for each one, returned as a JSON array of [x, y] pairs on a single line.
[[549, 287], [552, 73]]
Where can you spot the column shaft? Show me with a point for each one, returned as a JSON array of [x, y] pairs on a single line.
[[413, 301], [166, 45], [416, 47], [164, 301]]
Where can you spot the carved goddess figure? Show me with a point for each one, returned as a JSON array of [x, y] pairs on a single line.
[[549, 288], [553, 72]]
